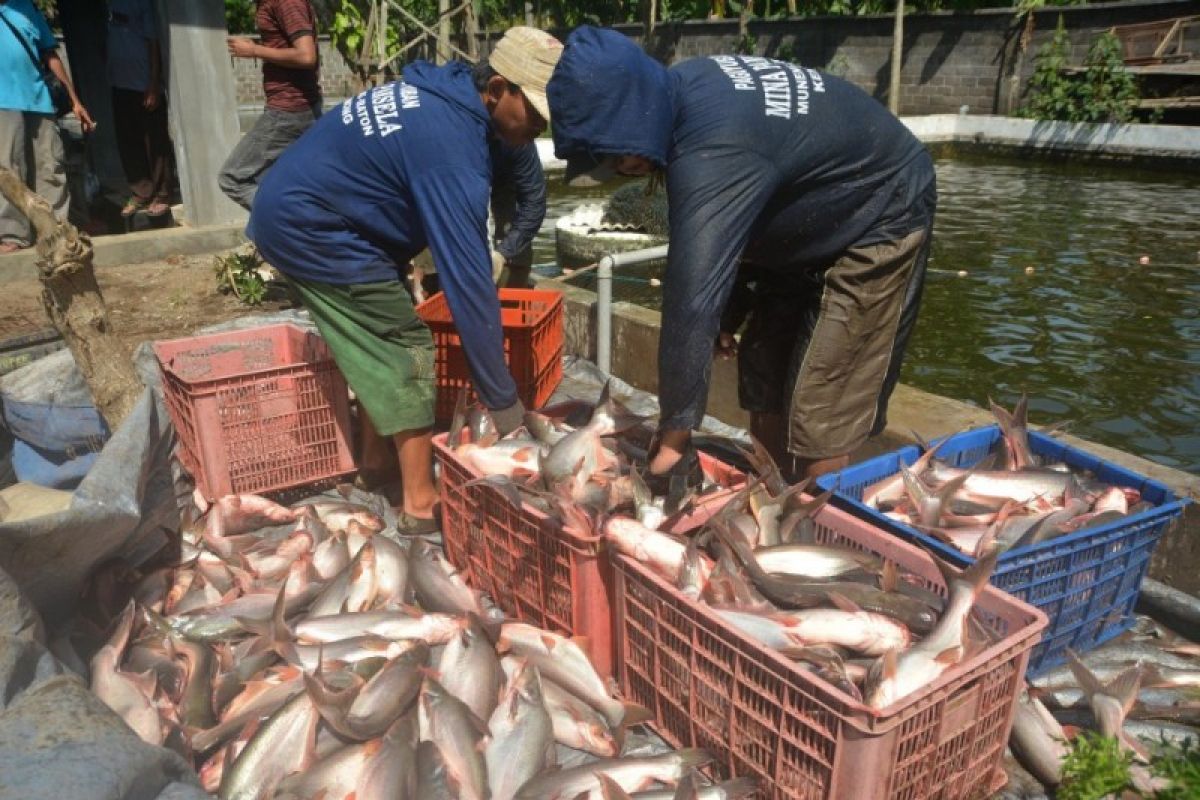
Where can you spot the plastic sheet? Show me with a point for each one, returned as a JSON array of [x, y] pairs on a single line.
[[58, 740]]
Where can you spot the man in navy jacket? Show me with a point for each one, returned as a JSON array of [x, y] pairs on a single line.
[[400, 167], [789, 185]]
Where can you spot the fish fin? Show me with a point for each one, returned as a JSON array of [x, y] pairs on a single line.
[[950, 656], [1133, 745], [458, 420], [1124, 687], [1085, 677], [610, 789], [890, 576], [842, 602], [977, 575]]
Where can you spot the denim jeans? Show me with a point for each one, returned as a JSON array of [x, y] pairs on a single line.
[[259, 148]]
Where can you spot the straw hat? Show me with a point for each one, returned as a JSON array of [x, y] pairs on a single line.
[[527, 57]]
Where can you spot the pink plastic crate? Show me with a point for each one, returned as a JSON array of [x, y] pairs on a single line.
[[708, 685], [257, 410], [537, 570]]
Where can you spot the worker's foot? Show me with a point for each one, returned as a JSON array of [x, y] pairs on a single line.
[[685, 474], [10, 246], [408, 525], [157, 209]]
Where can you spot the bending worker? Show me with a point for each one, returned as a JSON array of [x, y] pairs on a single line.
[[791, 184], [401, 167]]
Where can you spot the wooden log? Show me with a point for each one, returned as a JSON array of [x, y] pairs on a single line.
[[75, 306]]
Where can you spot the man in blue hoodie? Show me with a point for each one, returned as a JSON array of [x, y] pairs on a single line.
[[792, 186], [398, 168]]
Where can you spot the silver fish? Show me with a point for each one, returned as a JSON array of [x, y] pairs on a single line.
[[460, 737], [1038, 740], [470, 670], [283, 745], [522, 735], [631, 774]]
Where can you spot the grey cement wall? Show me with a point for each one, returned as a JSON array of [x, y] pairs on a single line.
[[951, 59]]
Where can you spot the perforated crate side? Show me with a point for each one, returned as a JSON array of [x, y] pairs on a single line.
[[708, 685], [257, 410], [1086, 582], [535, 568]]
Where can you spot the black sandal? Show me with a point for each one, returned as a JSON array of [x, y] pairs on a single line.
[[408, 525]]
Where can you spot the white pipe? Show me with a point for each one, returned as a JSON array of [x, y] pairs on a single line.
[[604, 273]]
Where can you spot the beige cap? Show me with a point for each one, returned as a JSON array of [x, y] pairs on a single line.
[[527, 57]]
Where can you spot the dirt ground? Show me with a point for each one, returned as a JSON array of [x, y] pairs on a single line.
[[155, 300]]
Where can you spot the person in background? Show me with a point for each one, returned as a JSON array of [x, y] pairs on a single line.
[[791, 183], [288, 51], [139, 105], [399, 168], [30, 145], [518, 208]]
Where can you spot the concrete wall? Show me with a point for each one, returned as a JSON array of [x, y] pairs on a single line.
[[950, 59]]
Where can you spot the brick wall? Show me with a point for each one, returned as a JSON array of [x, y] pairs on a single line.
[[950, 59]]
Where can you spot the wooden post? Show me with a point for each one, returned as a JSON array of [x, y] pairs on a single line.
[[75, 306], [529, 15], [471, 30], [443, 32], [897, 59]]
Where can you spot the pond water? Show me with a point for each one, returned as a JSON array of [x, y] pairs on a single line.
[[1055, 302]]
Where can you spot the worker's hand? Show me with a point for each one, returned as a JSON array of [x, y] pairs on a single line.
[[509, 419], [240, 47], [85, 119], [498, 263], [725, 347], [151, 98]]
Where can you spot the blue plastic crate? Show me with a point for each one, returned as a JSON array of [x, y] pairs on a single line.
[[1087, 583]]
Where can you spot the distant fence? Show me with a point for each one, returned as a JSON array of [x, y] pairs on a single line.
[[951, 59]]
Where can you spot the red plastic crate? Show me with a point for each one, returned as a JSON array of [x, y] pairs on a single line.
[[533, 567], [532, 320], [256, 410], [710, 686]]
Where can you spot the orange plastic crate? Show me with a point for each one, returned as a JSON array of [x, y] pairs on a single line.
[[532, 320], [256, 410], [535, 569], [710, 686]]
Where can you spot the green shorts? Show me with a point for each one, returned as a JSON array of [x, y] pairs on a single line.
[[382, 347]]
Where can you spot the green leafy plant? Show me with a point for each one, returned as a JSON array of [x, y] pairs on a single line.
[[239, 16], [240, 273], [1108, 91], [1104, 92], [747, 44], [1095, 767], [1182, 769]]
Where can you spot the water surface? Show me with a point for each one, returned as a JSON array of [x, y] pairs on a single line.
[[1055, 302]]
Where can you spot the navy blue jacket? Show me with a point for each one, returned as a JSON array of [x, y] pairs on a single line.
[[400, 167], [517, 177], [782, 165]]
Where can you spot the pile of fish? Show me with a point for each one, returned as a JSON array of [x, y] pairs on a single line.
[[574, 472], [1143, 689], [1009, 499], [303, 653], [876, 634]]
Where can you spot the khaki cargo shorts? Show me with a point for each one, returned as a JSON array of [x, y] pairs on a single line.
[[381, 346], [825, 348]]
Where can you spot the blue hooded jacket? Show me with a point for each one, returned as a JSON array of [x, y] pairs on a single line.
[[399, 167], [780, 165]]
